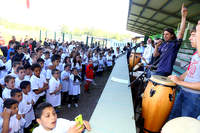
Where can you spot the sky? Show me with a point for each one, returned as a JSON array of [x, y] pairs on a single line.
[[108, 15]]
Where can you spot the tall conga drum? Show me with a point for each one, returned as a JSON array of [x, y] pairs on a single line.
[[133, 60], [157, 102]]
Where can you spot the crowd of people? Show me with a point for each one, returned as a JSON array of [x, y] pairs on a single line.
[[53, 71]]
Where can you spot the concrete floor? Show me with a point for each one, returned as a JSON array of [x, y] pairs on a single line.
[[87, 101]]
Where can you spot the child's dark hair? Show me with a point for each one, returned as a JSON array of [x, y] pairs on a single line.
[[24, 84], [15, 63], [40, 108], [40, 60], [38, 49], [14, 92], [27, 66], [54, 71], [47, 52], [18, 46], [67, 65], [8, 78], [20, 68], [9, 102], [55, 57], [34, 66], [193, 29]]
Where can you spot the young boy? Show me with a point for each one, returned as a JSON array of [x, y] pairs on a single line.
[[41, 62], [8, 64], [54, 92], [27, 103], [89, 75], [15, 122], [28, 72], [101, 65], [188, 99], [48, 122], [20, 78], [10, 84], [19, 56], [74, 90], [55, 59], [65, 82], [33, 58], [47, 59], [38, 84], [15, 65]]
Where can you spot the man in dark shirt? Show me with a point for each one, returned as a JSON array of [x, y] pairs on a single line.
[[169, 48]]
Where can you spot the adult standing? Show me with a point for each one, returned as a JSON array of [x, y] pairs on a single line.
[[169, 48]]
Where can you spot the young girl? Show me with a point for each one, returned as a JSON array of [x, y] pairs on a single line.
[[89, 75], [74, 90], [65, 82], [54, 92]]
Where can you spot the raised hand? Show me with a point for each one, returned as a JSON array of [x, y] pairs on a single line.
[[184, 11]]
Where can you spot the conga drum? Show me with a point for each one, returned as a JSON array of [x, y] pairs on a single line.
[[182, 125], [133, 60], [157, 102]]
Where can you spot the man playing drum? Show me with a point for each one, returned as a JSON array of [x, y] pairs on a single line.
[[169, 48], [187, 102]]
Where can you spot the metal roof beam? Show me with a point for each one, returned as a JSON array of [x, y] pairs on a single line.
[[153, 20], [148, 29], [145, 24], [140, 32], [145, 5], [160, 11], [145, 30]]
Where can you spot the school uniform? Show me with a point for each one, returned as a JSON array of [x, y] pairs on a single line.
[[6, 93], [25, 107], [15, 125], [62, 126], [109, 61], [74, 89], [46, 63], [8, 65], [100, 66], [37, 83], [1, 105], [54, 99], [95, 62], [18, 82], [65, 83]]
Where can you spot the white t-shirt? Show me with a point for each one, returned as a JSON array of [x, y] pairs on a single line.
[[37, 83], [74, 88], [25, 107], [1, 105], [65, 83], [6, 93], [54, 99], [18, 82], [15, 125], [62, 126]]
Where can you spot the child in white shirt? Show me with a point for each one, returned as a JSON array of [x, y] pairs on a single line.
[[52, 124], [15, 65], [10, 84], [16, 122], [74, 90], [43, 71], [109, 60], [54, 92], [38, 84], [20, 78], [26, 105]]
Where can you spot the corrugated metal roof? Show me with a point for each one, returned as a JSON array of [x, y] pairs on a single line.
[[152, 16]]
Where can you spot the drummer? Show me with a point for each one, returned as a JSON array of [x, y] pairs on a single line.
[[187, 102], [169, 48]]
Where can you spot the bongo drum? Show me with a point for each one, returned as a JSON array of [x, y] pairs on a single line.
[[157, 102], [182, 125], [133, 60]]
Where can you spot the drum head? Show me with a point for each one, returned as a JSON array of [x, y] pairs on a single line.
[[182, 125], [162, 80]]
